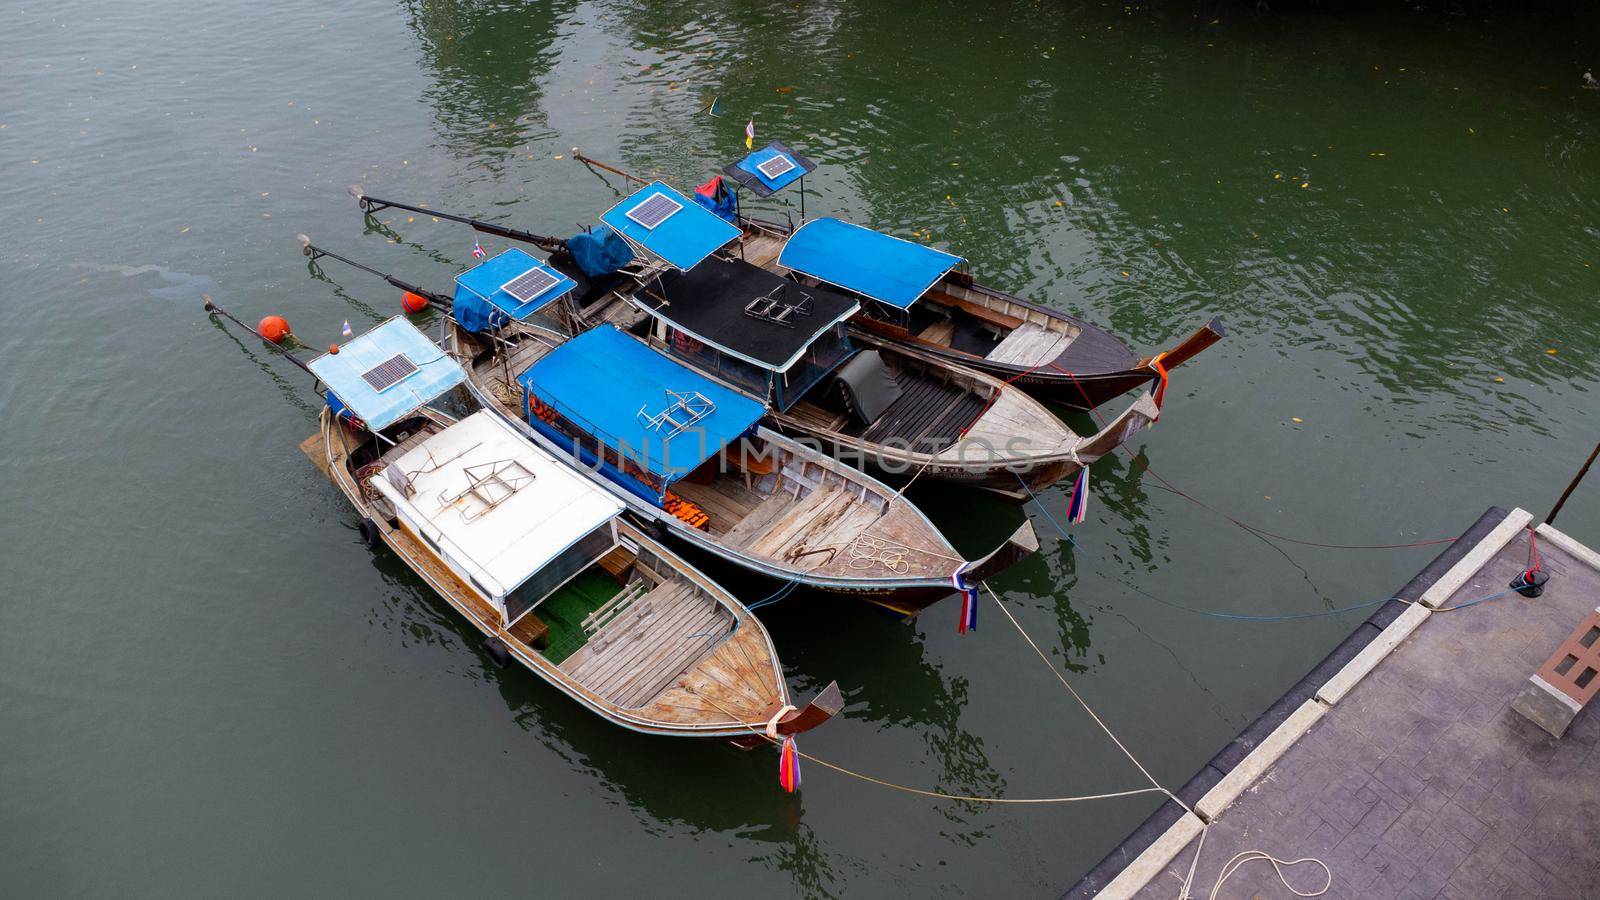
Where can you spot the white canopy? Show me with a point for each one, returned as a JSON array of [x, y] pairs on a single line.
[[497, 507]]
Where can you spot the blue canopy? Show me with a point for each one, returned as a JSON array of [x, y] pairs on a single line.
[[885, 268], [681, 236], [482, 301], [791, 167], [388, 373], [617, 389]]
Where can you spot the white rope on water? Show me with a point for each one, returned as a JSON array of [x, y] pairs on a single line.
[[1233, 865]]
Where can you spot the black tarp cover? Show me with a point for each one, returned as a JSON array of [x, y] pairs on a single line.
[[708, 303]]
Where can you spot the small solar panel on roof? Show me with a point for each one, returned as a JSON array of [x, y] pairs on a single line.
[[530, 284], [390, 372], [776, 166], [657, 208]]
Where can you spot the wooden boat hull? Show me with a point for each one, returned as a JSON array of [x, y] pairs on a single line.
[[983, 457], [1093, 369], [1077, 390], [903, 595], [733, 719]]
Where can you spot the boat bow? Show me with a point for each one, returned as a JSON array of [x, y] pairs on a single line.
[[1188, 348], [1022, 543]]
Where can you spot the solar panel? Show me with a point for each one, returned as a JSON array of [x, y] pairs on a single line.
[[390, 372], [657, 208], [530, 284], [776, 166]]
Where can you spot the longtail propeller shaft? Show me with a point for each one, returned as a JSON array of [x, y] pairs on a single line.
[[371, 205]]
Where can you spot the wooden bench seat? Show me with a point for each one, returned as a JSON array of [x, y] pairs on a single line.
[[976, 310]]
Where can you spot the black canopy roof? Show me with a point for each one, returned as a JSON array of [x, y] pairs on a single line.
[[745, 311]]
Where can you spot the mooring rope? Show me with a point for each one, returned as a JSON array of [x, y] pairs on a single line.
[[759, 730], [1282, 617]]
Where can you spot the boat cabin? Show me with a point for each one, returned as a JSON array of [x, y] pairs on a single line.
[[642, 419], [760, 332], [505, 517]]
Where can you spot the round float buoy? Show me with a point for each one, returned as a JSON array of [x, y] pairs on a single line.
[[274, 329], [413, 303], [498, 651], [334, 349], [370, 535]]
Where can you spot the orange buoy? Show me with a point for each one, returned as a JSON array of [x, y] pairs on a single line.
[[413, 303], [274, 329], [333, 349]]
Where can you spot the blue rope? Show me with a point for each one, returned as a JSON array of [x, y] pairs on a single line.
[[1040, 503], [1244, 617], [777, 595]]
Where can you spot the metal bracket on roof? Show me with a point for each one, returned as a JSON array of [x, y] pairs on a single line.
[[683, 410], [491, 483], [778, 306]]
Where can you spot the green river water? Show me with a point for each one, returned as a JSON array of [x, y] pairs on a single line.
[[208, 686]]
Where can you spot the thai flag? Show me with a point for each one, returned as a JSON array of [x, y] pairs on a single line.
[[346, 331], [1078, 506], [969, 603], [750, 134], [478, 251]]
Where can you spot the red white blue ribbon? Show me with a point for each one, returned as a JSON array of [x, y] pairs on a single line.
[[1078, 506], [789, 765], [969, 603], [478, 251]]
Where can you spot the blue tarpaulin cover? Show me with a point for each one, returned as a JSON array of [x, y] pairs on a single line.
[[599, 252], [481, 302], [885, 268], [343, 373], [682, 239], [602, 380]]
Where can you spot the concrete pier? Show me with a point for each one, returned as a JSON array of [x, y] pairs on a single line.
[[1406, 770]]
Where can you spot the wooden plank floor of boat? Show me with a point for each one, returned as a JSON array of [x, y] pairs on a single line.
[[1029, 345], [738, 679], [659, 637]]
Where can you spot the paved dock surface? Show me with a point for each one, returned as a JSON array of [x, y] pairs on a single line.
[[1421, 781]]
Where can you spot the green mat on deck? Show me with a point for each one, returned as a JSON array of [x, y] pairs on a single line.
[[566, 609]]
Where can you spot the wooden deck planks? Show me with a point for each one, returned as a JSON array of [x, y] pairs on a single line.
[[636, 655], [1013, 416], [1029, 345], [756, 523], [761, 250], [705, 693]]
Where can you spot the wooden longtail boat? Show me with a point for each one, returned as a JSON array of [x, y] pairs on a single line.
[[537, 558], [689, 458], [1050, 354], [914, 296], [898, 409], [744, 503]]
